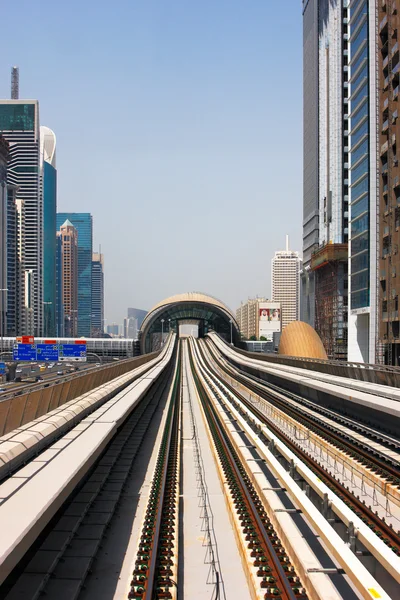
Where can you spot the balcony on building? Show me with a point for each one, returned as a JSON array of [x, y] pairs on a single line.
[[396, 93], [385, 189], [384, 148], [396, 182], [384, 169], [385, 231], [383, 24], [386, 83], [385, 104], [394, 116], [385, 62], [395, 74], [385, 315], [395, 53], [383, 4], [385, 126], [393, 139], [382, 275]]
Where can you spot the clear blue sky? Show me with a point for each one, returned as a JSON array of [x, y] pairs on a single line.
[[179, 127]]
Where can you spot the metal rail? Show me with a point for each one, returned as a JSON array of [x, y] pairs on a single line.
[[269, 555], [387, 534]]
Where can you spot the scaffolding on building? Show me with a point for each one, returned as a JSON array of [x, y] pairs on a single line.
[[330, 265]]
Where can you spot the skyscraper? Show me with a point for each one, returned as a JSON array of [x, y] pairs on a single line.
[[21, 312], [339, 278], [69, 277], [286, 266], [97, 294], [3, 237], [48, 175], [19, 124], [389, 204], [84, 226], [325, 266], [137, 313]]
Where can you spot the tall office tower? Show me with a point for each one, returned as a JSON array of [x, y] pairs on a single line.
[[70, 277], [19, 124], [326, 191], [97, 294], [138, 314], [389, 203], [364, 178], [59, 290], [3, 238], [285, 275], [48, 184], [310, 156], [29, 316], [20, 278], [259, 317], [12, 262], [84, 225]]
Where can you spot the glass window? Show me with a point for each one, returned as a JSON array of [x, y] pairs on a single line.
[[361, 150], [359, 134], [361, 15], [17, 117], [360, 262], [359, 39], [359, 208], [360, 299], [362, 75], [361, 95], [360, 281], [359, 115], [359, 225], [362, 56], [360, 170], [359, 189], [359, 244]]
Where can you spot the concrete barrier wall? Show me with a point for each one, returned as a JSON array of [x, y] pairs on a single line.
[[43, 398]]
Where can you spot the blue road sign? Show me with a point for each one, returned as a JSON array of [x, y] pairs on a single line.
[[24, 352], [2, 368], [72, 352], [47, 352]]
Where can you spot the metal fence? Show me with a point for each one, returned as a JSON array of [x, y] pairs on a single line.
[[42, 398]]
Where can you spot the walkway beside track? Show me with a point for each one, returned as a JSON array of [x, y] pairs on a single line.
[[207, 533]]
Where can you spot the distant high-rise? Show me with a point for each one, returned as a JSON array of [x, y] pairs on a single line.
[[138, 314], [19, 125], [3, 237], [84, 225], [21, 314], [49, 200], [286, 266], [69, 277], [97, 294]]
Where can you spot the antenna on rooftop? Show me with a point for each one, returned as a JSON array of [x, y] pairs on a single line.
[[14, 83]]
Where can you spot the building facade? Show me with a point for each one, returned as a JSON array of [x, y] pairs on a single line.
[[389, 184], [84, 226], [363, 175], [3, 239], [259, 318], [285, 276], [48, 183], [97, 294], [324, 274], [19, 124], [68, 236]]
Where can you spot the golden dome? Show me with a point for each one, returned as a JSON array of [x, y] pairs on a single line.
[[300, 339]]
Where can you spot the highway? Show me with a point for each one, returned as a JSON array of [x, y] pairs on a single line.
[[190, 477]]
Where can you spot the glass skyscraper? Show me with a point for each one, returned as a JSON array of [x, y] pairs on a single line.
[[83, 223], [49, 192]]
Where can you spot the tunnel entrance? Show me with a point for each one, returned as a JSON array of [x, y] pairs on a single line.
[[193, 310], [188, 327]]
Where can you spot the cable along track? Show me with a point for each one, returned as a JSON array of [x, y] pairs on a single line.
[[276, 574], [386, 533]]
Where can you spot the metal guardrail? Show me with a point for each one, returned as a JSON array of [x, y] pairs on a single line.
[[42, 398]]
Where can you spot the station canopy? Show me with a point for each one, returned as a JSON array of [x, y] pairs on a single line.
[[210, 314]]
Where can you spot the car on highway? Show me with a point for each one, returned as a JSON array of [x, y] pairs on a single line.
[[18, 370], [2, 390], [60, 372], [38, 378]]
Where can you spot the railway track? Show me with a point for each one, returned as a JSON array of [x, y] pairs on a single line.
[[382, 529], [275, 573], [60, 560], [156, 565]]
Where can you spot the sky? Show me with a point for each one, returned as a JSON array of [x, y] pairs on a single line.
[[179, 127]]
